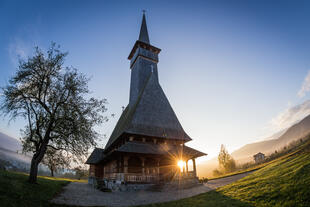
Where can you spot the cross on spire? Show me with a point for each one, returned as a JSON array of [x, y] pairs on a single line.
[[144, 36]]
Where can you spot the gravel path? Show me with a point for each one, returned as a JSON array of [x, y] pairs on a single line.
[[83, 194]]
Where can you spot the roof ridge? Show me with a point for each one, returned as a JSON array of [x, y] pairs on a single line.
[[164, 122], [125, 118]]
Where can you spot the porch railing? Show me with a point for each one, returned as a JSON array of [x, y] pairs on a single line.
[[133, 177]]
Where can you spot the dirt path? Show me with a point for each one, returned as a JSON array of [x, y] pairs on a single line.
[[82, 194]]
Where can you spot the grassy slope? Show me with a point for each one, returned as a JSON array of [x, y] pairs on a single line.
[[16, 191], [256, 167], [284, 182]]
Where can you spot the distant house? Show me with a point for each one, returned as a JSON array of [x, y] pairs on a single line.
[[259, 157]]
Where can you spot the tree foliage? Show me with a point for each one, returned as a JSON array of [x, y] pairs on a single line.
[[217, 173], [52, 99], [80, 172], [56, 160], [226, 161]]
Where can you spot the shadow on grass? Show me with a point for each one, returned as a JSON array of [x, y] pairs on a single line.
[[210, 199], [15, 191]]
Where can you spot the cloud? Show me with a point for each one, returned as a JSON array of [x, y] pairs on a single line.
[[305, 86], [290, 116], [18, 49]]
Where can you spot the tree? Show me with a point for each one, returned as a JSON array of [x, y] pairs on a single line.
[[231, 166], [216, 172], [51, 98], [225, 160], [56, 160], [80, 172]]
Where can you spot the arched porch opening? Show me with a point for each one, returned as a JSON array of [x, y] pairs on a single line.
[[134, 165], [190, 166], [150, 166]]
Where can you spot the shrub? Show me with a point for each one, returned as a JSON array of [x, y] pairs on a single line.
[[203, 180], [216, 173]]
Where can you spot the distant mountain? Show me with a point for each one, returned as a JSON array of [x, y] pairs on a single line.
[[269, 145], [9, 143], [276, 135], [295, 132], [10, 150]]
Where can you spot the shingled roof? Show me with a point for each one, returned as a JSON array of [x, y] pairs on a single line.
[[148, 114], [151, 115], [96, 156], [160, 149]]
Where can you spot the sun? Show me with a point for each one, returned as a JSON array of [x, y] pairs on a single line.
[[181, 164]]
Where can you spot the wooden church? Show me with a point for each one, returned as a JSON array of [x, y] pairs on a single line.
[[148, 141]]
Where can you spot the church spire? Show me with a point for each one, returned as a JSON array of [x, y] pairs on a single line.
[[144, 36]]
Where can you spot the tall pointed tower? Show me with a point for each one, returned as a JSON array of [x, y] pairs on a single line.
[[148, 138], [143, 62]]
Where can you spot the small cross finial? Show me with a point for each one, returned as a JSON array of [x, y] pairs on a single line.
[[143, 11]]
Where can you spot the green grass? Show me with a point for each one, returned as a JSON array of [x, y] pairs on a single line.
[[239, 171], [254, 168], [283, 182], [63, 179], [259, 166], [16, 191]]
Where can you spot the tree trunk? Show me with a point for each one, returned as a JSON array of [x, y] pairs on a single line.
[[52, 172], [33, 170], [35, 161]]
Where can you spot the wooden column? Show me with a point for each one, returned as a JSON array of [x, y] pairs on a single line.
[[157, 168], [186, 166], [118, 165], [92, 170], [104, 172], [194, 167], [122, 163], [143, 162], [157, 162], [126, 164]]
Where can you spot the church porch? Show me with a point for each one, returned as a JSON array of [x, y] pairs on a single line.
[[144, 171], [157, 164]]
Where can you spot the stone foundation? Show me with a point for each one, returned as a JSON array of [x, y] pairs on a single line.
[[116, 185]]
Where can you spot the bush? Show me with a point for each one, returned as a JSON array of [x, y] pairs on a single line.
[[230, 166], [203, 180], [216, 173], [226, 161]]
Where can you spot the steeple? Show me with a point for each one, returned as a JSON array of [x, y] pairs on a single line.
[[144, 36], [149, 112], [143, 61], [148, 127]]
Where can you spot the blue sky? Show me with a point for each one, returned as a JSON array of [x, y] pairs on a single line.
[[234, 71]]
